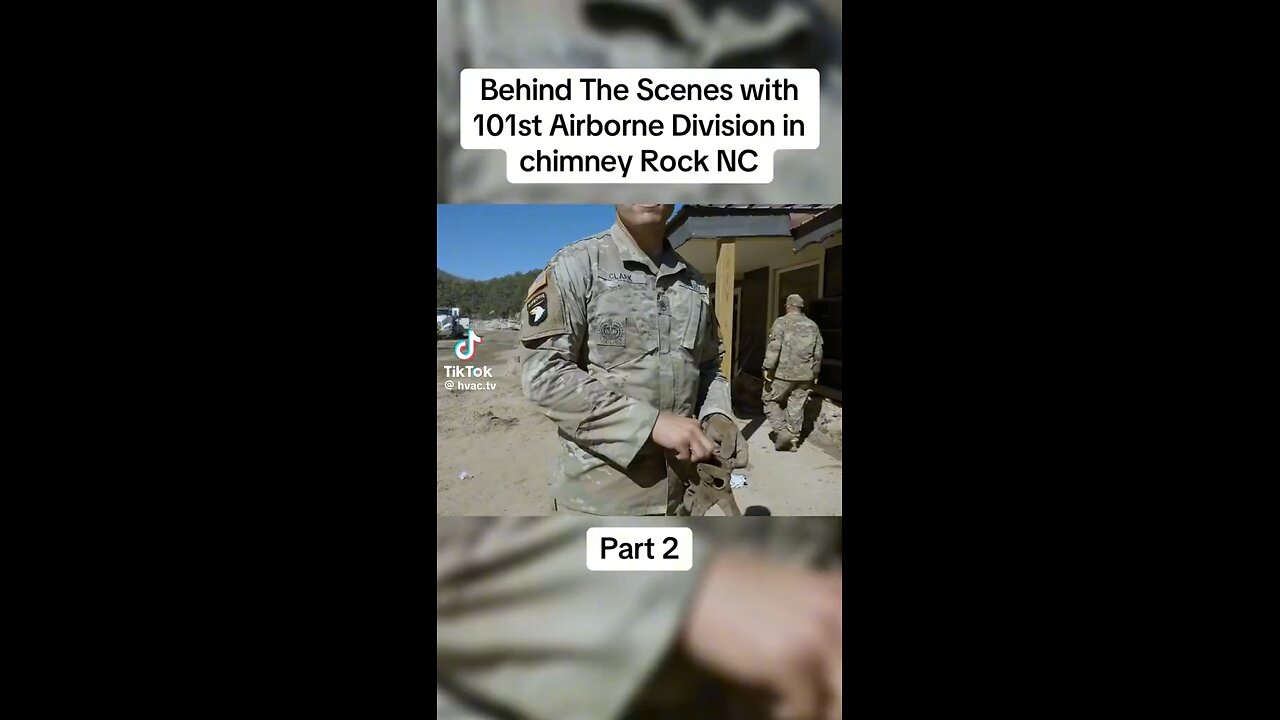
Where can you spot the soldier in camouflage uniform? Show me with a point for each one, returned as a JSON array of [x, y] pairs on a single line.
[[791, 365], [624, 356]]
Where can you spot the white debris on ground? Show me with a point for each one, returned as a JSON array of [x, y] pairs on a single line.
[[483, 326], [464, 475], [737, 480]]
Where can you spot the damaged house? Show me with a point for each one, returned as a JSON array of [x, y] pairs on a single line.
[[752, 257]]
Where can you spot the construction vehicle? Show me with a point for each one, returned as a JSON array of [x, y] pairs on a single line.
[[450, 324]]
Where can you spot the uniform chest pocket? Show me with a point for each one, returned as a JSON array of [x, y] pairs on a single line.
[[690, 314], [620, 326]]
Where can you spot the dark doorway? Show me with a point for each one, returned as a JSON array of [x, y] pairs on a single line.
[[755, 320], [801, 281]]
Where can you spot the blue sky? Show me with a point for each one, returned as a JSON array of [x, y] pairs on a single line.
[[479, 242]]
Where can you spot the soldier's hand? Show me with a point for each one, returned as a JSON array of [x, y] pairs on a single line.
[[772, 628], [682, 435], [730, 445]]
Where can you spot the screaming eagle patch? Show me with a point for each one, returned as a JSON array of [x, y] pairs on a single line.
[[543, 309], [537, 309]]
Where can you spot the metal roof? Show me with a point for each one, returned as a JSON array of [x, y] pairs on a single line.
[[760, 206], [750, 208], [751, 220]]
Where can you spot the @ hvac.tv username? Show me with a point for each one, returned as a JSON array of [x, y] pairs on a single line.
[[459, 385]]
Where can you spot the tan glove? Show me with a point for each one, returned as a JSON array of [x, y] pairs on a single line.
[[731, 446]]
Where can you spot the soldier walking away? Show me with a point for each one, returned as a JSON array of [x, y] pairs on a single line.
[[791, 366], [624, 357]]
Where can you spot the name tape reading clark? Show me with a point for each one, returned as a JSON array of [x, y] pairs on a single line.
[[640, 126]]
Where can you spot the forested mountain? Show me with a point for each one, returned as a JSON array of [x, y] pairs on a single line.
[[484, 299]]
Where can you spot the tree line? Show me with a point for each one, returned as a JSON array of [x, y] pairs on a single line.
[[500, 297]]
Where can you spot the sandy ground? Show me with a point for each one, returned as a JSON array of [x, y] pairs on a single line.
[[508, 449]]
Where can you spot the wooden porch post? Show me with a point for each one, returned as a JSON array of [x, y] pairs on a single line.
[[726, 252]]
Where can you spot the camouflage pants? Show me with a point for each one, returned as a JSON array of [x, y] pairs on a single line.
[[784, 402]]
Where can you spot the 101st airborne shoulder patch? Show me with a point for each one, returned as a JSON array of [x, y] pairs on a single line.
[[543, 314], [536, 306]]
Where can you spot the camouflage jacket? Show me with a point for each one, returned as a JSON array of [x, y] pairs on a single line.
[[523, 626], [611, 339], [795, 348]]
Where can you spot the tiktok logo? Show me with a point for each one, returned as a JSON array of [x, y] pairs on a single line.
[[470, 343]]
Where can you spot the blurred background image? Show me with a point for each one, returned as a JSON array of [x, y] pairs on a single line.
[[525, 631], [637, 34]]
